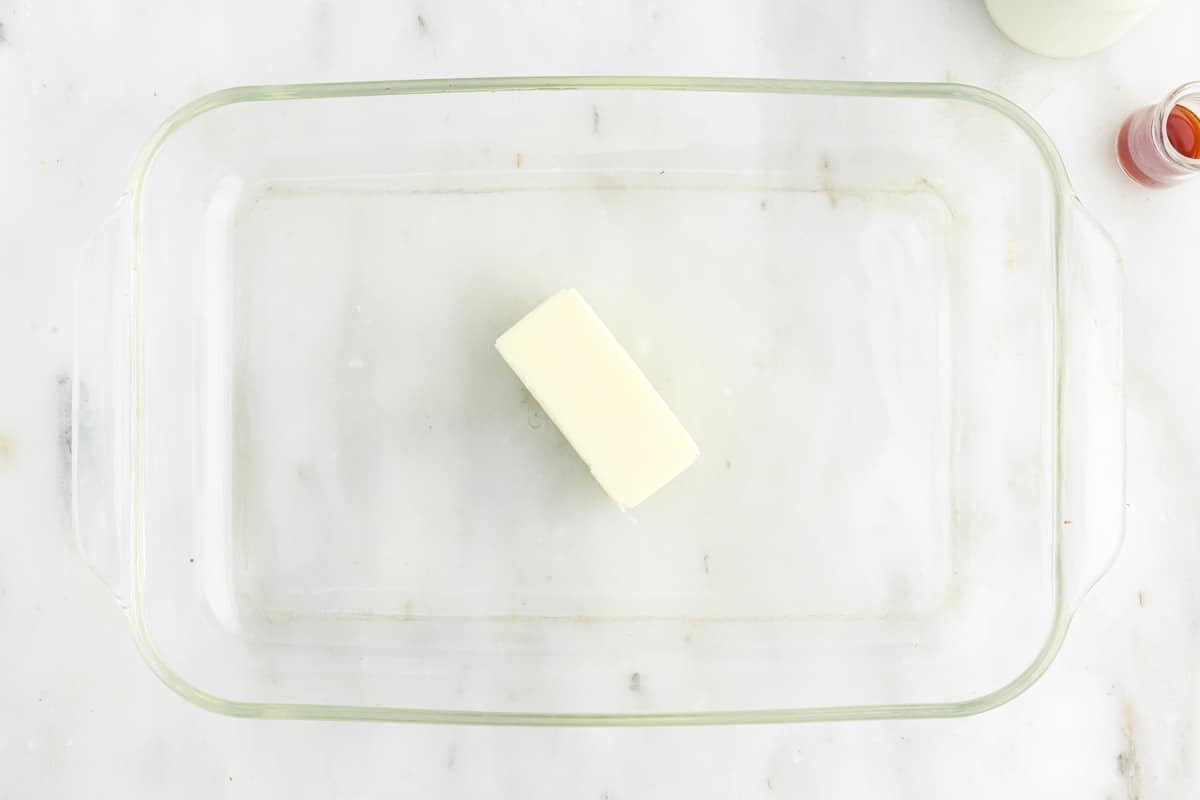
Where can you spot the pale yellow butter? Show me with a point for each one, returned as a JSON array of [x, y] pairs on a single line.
[[598, 398]]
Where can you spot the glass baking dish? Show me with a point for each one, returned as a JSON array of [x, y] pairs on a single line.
[[878, 308]]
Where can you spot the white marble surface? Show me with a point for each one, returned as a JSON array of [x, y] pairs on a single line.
[[1117, 715]]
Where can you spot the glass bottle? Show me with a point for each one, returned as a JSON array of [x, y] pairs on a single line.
[[1159, 145]]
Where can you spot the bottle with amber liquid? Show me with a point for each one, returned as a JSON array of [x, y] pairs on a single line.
[[1159, 145]]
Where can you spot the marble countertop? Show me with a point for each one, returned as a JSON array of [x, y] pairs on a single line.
[[1116, 716]]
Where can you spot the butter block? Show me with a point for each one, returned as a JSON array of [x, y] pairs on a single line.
[[597, 397]]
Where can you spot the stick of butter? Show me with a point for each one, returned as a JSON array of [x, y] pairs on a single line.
[[598, 398]]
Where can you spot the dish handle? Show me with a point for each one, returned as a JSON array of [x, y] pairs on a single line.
[[100, 396], [1092, 412]]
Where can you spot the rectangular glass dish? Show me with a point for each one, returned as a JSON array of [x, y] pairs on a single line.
[[877, 308]]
